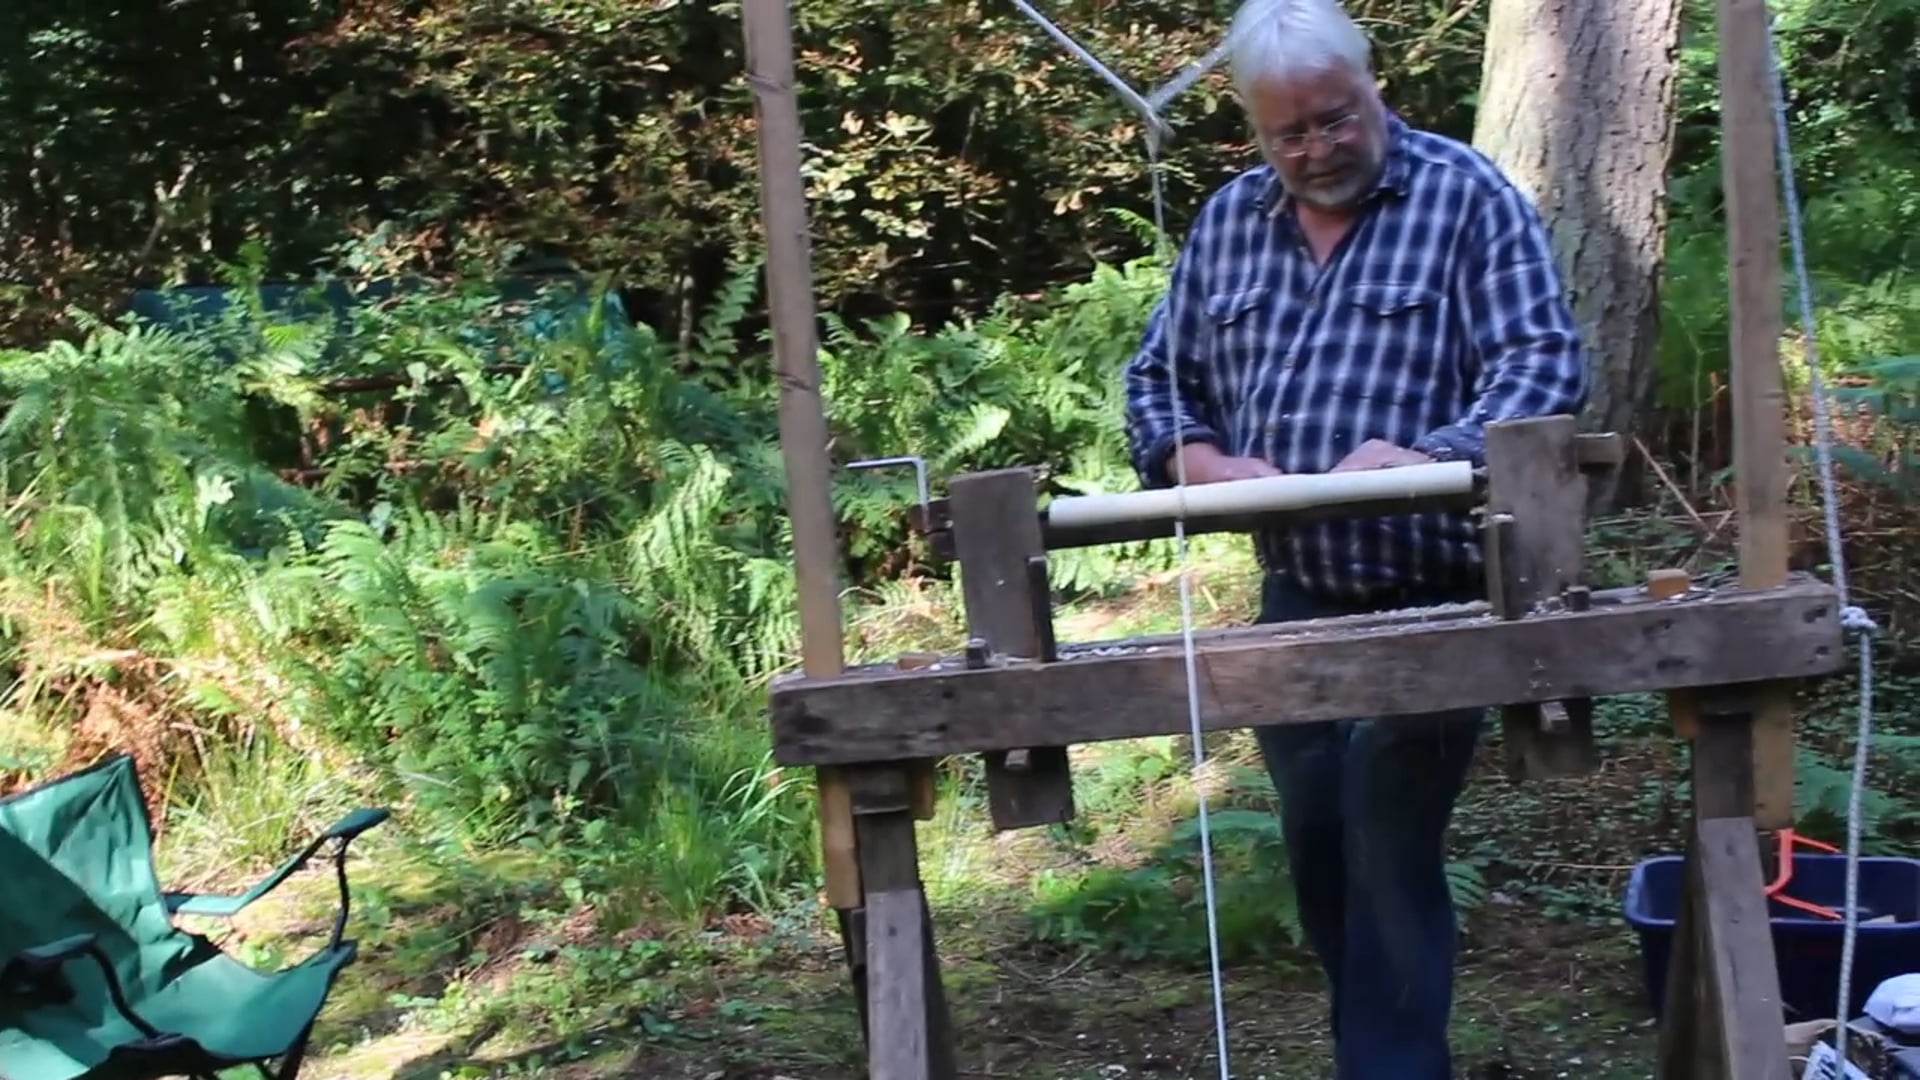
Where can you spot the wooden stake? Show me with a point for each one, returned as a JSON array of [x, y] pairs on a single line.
[[803, 423], [1759, 400]]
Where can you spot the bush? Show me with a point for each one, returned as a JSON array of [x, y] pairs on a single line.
[[527, 571]]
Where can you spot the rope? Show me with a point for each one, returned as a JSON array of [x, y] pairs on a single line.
[[1186, 644], [1852, 618], [1156, 132]]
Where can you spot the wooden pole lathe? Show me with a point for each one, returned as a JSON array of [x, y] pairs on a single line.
[[1544, 639], [1727, 656]]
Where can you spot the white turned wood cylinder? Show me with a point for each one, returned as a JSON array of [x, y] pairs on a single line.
[[1264, 494]]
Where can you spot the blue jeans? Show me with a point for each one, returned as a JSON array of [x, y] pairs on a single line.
[[1364, 807]]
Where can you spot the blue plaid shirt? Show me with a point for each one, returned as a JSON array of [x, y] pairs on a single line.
[[1441, 310]]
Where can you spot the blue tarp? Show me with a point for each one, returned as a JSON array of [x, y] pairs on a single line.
[[552, 306]]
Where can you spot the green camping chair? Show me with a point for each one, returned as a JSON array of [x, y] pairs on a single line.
[[95, 979]]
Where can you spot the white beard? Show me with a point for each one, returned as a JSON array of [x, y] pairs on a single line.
[[1335, 195]]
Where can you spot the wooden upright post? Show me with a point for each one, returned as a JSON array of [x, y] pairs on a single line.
[[803, 423], [1724, 1018], [884, 920], [1759, 399]]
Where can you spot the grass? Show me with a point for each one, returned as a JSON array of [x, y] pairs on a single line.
[[459, 982], [484, 970]]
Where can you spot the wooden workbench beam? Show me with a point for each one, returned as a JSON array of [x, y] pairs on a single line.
[[1387, 669]]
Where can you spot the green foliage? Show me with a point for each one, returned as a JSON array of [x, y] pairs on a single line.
[[1023, 385], [1155, 910], [1866, 297], [530, 571], [1888, 389], [255, 800], [525, 627], [1850, 110], [1151, 907], [950, 154]]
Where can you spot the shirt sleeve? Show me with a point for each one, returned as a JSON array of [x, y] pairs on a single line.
[[1161, 414], [1525, 339]]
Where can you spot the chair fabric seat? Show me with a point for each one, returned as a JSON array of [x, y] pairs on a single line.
[[224, 1013], [87, 936]]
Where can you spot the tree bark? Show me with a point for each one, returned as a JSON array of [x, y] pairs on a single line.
[[1577, 107]]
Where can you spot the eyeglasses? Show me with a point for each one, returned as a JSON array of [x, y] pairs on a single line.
[[1293, 145]]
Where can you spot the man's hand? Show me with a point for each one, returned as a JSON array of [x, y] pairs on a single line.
[[1205, 464], [1379, 454]]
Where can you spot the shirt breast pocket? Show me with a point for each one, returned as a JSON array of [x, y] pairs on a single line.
[[1240, 321], [1393, 342]]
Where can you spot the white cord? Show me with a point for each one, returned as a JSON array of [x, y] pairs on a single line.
[[1854, 619], [1186, 635], [1156, 132]]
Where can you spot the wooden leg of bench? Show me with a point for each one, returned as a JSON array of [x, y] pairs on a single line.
[[909, 1034], [853, 941], [1723, 1018], [905, 997], [1681, 1013], [1751, 1029]]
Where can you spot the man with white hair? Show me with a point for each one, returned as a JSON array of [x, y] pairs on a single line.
[[1369, 296]]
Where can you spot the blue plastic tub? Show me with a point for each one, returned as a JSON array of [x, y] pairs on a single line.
[[1806, 947]]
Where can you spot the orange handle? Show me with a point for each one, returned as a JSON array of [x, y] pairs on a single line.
[[1784, 873]]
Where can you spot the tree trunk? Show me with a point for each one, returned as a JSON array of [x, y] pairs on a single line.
[[1577, 107]]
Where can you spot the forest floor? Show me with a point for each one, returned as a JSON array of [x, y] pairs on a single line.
[[490, 966], [488, 980]]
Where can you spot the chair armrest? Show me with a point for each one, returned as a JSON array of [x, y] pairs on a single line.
[[218, 905], [43, 960], [39, 968], [355, 823]]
